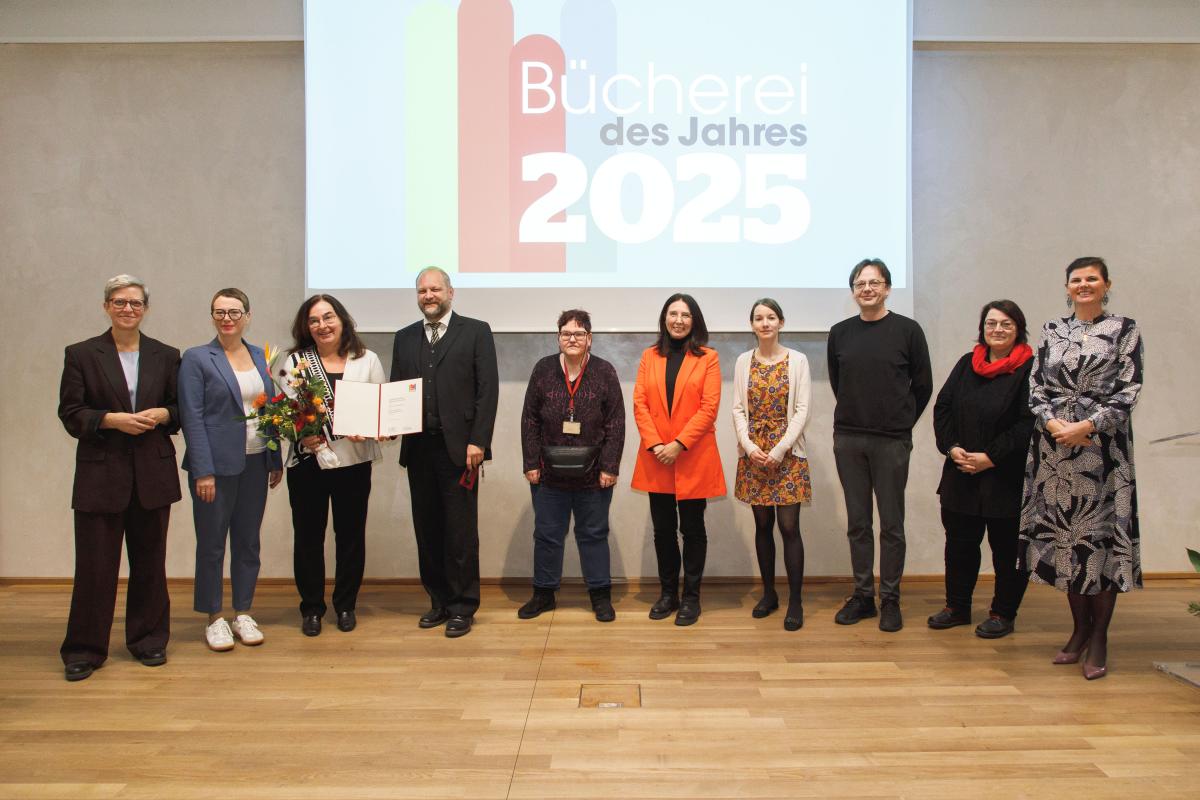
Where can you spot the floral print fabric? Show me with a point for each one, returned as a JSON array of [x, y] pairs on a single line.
[[1079, 522], [767, 412]]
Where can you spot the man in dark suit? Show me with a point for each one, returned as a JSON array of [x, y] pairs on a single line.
[[118, 398], [455, 357]]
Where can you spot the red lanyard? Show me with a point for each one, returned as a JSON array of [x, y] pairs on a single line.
[[573, 388]]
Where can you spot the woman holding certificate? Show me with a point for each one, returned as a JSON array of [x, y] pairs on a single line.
[[326, 345]]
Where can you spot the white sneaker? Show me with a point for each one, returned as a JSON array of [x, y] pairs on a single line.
[[246, 629], [218, 635]]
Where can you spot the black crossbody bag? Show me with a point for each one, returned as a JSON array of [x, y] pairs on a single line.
[[570, 461]]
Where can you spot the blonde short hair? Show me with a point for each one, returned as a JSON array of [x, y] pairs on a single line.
[[118, 282]]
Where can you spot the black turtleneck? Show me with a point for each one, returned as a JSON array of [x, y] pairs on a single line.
[[675, 353]]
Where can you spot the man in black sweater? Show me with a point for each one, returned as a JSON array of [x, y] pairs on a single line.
[[879, 371]]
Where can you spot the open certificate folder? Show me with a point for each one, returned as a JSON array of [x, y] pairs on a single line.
[[375, 410]]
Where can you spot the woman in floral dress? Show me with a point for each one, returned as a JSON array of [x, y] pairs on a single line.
[[1079, 526], [772, 395]]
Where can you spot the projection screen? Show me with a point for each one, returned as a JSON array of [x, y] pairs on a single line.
[[554, 154]]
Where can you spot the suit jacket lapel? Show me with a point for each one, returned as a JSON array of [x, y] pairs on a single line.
[[452, 331], [685, 371], [110, 363], [660, 378], [221, 363], [146, 368]]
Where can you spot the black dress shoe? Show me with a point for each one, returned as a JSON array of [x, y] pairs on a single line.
[[311, 625], [346, 621], [765, 606], [542, 600], [78, 670], [794, 620], [458, 625], [664, 607], [689, 612], [948, 618], [994, 627], [155, 657], [433, 617]]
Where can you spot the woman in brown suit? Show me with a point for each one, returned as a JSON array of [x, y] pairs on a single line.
[[118, 398]]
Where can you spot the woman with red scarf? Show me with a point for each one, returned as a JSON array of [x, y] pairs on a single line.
[[983, 425]]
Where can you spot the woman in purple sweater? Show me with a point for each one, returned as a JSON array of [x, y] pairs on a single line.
[[572, 434]]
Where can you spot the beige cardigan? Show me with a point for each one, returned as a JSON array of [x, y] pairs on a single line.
[[799, 401]]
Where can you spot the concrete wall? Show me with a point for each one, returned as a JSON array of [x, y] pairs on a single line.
[[183, 163]]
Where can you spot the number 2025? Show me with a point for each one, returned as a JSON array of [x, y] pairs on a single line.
[[697, 221]]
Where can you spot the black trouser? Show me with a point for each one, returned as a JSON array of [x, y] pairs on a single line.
[[311, 491], [868, 465], [964, 534], [446, 523], [97, 566], [689, 522]]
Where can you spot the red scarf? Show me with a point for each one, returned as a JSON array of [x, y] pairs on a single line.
[[1005, 366]]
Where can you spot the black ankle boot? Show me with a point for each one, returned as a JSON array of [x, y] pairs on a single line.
[[602, 604], [542, 600], [665, 606]]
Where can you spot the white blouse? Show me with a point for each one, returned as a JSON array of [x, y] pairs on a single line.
[[251, 385]]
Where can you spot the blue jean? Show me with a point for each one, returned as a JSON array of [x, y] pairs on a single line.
[[552, 510], [236, 512]]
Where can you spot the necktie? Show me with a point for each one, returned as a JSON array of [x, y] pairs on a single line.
[[434, 332]]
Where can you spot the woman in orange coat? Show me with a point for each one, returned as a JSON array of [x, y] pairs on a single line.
[[675, 403]]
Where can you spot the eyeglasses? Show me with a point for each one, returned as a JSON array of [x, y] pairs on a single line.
[[1004, 325], [122, 303], [567, 336], [316, 322], [233, 314], [874, 283]]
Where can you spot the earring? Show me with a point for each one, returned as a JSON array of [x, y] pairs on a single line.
[[1104, 300], [1070, 302]]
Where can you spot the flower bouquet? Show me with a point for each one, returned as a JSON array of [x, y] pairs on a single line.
[[295, 415]]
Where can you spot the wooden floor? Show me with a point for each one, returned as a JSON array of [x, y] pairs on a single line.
[[732, 707]]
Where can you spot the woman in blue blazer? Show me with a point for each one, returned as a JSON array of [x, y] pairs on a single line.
[[229, 465]]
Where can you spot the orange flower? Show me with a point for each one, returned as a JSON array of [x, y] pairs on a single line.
[[318, 401], [310, 418], [260, 401]]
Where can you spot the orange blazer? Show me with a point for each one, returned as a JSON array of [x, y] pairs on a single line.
[[697, 473]]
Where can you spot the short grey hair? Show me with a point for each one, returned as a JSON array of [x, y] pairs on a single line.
[[445, 276], [118, 282]]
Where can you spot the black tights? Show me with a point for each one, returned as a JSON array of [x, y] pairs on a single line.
[[1091, 614], [788, 519]]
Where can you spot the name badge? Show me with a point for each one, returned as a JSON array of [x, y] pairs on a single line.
[[571, 427]]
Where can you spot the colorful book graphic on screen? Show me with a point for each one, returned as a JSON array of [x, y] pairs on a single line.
[[614, 143]]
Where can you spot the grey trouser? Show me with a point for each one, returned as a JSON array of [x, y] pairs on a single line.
[[236, 513], [866, 465]]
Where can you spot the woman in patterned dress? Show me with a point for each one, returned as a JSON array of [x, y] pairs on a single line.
[[772, 394], [1079, 526]]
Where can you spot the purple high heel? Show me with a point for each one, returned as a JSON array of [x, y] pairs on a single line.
[[1064, 657]]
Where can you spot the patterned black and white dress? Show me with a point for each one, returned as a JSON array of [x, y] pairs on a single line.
[[1079, 525]]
